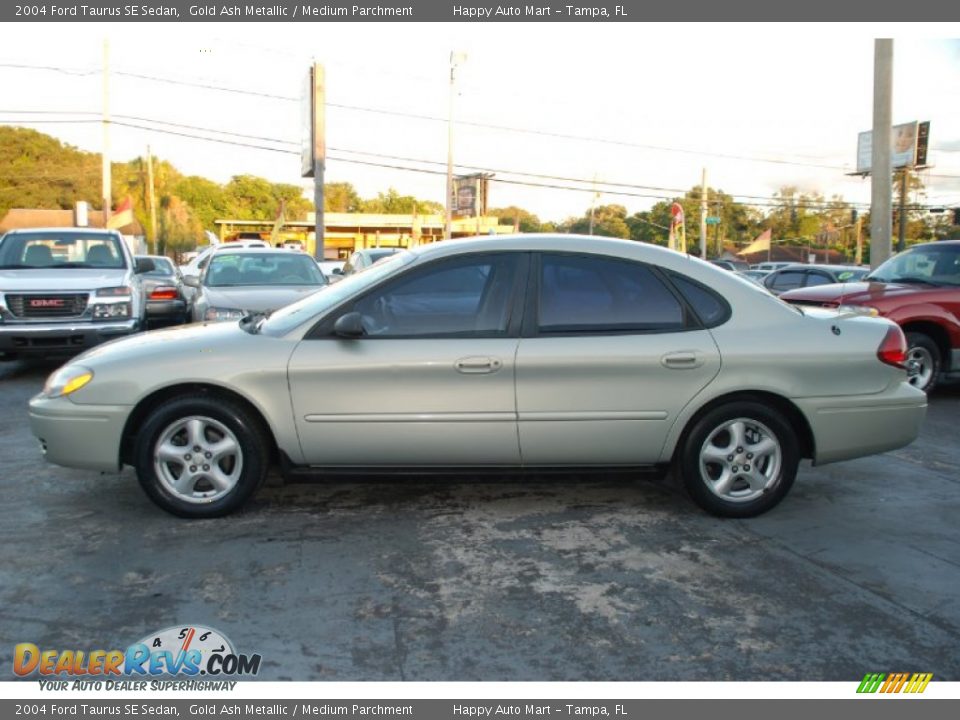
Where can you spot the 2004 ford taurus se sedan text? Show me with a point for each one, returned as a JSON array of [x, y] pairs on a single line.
[[532, 351]]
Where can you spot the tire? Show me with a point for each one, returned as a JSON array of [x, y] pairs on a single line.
[[711, 462], [230, 466], [925, 354]]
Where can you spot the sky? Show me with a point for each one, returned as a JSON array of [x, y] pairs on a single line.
[[648, 106]]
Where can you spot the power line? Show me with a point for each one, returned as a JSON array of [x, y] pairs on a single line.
[[119, 120], [552, 186]]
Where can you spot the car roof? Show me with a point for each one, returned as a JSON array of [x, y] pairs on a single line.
[[263, 251], [76, 230], [951, 241], [822, 266]]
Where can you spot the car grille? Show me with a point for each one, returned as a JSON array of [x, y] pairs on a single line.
[[46, 306]]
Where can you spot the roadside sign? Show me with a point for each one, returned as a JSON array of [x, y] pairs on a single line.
[[711, 220]]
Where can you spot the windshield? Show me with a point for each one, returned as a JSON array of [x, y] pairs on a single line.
[[927, 264], [278, 268], [61, 250], [289, 317]]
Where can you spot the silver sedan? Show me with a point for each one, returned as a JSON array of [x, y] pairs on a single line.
[[535, 351]]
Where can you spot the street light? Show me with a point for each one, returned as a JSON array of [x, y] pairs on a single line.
[[456, 59]]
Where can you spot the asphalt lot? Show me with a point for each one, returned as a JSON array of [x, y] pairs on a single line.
[[590, 578]]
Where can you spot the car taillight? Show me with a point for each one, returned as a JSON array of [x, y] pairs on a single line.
[[164, 293], [893, 349]]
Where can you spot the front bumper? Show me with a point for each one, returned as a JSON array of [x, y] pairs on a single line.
[[78, 436], [855, 426], [52, 338]]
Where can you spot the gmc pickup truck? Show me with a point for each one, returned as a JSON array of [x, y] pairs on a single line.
[[66, 289], [919, 289]]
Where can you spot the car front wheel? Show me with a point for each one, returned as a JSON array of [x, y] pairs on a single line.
[[201, 457], [739, 459]]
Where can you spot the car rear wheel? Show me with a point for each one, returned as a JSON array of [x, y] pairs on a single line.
[[924, 356], [201, 457], [739, 459]]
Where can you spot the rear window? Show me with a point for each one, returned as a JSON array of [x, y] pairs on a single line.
[[711, 309]]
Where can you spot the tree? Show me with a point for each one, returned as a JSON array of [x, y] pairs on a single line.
[[38, 171], [527, 221], [341, 197], [180, 229], [207, 199], [608, 220], [392, 202]]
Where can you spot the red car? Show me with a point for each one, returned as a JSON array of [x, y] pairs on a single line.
[[920, 290]]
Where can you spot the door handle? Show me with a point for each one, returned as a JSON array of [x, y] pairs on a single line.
[[686, 360], [477, 365]]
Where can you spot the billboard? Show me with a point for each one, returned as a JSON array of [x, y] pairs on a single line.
[[470, 195], [908, 146]]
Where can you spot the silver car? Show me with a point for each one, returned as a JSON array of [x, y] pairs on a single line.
[[237, 283], [533, 352]]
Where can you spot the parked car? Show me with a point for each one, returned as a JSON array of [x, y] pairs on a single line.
[[732, 265], [531, 351], [199, 263], [293, 245], [164, 290], [755, 276], [770, 266], [66, 289], [331, 269], [253, 280], [920, 290], [810, 275], [362, 259]]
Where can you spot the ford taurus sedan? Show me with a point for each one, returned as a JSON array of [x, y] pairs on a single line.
[[535, 352]]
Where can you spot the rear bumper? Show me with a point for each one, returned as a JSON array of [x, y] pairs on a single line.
[[53, 338], [166, 308], [850, 427]]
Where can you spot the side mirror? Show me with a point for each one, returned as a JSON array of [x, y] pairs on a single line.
[[349, 325], [143, 265], [338, 271], [191, 281]]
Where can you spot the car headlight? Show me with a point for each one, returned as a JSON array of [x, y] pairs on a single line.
[[66, 380], [215, 314], [859, 310], [111, 311], [119, 291]]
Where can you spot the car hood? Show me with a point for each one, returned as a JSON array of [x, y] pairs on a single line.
[[65, 280], [257, 299], [181, 342], [854, 293]]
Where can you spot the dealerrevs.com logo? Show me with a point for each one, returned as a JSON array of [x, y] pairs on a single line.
[[887, 683], [175, 651]]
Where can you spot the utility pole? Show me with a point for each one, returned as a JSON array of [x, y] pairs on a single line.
[[319, 118], [152, 199], [455, 59], [859, 256], [881, 177], [902, 224], [593, 204], [106, 191], [703, 215]]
